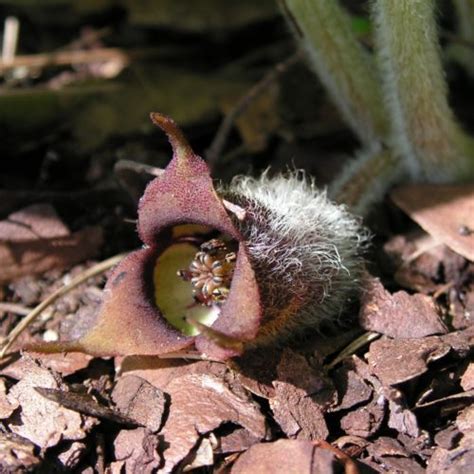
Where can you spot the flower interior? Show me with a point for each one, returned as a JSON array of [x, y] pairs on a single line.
[[192, 281]]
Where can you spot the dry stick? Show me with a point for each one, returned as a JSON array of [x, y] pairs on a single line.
[[14, 308], [353, 347], [89, 273], [63, 58], [10, 39], [214, 151]]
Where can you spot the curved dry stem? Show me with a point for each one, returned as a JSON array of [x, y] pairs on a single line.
[[25, 322], [353, 347]]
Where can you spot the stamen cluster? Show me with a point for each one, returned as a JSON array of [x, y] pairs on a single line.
[[210, 272]]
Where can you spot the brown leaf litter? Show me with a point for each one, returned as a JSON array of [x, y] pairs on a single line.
[[398, 361], [41, 421], [294, 457], [445, 211], [399, 315], [295, 404], [201, 403], [17, 454], [34, 240], [401, 404], [136, 451], [140, 401], [460, 456], [421, 263]]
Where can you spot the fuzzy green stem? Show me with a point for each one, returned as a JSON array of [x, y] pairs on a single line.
[[341, 63], [365, 179], [424, 130]]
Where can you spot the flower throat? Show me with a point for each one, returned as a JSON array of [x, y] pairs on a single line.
[[211, 271]]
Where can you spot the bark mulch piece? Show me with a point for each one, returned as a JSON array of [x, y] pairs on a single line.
[[42, 421], [398, 361], [458, 455], [138, 400], [400, 315], [17, 454], [200, 403], [285, 456], [136, 451]]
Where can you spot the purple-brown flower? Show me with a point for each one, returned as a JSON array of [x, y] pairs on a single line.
[[223, 269]]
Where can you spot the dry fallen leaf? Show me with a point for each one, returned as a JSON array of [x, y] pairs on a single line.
[[257, 369], [139, 400], [397, 361], [285, 457], [239, 440], [44, 422], [72, 455], [17, 454], [400, 418], [390, 454], [398, 315], [297, 414], [203, 456], [416, 259], [364, 421], [351, 388], [445, 211], [64, 364], [460, 458], [85, 404], [199, 404], [160, 372], [301, 395], [35, 240], [136, 451], [467, 379], [7, 407]]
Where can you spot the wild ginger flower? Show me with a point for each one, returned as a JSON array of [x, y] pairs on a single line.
[[224, 269]]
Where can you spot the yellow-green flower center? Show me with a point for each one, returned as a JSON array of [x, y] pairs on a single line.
[[195, 293]]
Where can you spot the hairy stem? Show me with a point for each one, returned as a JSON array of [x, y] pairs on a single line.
[[341, 63], [365, 179], [424, 131]]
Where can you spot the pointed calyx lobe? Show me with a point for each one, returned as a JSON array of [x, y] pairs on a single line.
[[178, 212]]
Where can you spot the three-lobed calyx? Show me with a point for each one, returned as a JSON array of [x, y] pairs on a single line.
[[222, 271]]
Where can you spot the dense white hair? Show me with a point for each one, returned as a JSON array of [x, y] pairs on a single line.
[[306, 250]]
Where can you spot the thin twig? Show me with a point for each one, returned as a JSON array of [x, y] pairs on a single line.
[[186, 356], [354, 346], [214, 151], [443, 289], [14, 308], [25, 322], [10, 39], [65, 58]]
